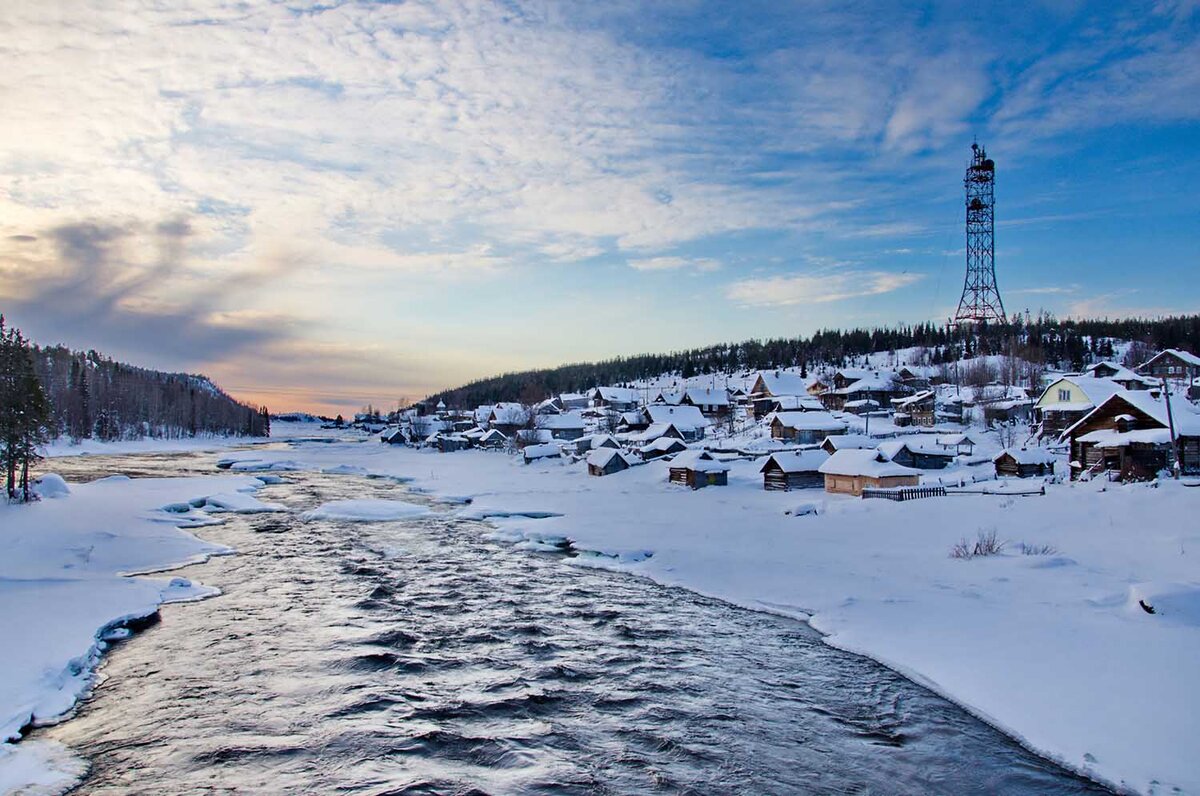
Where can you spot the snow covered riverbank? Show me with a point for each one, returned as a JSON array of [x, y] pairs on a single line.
[[64, 593], [1049, 644]]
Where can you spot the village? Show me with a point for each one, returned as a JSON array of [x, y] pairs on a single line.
[[895, 432]]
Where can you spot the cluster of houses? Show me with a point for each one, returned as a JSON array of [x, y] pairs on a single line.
[[817, 432]]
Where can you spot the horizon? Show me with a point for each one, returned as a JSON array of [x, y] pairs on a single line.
[[330, 206]]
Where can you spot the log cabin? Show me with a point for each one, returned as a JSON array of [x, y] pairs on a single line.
[[848, 472], [786, 471], [697, 469]]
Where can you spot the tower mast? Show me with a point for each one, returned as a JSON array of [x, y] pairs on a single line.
[[980, 297]]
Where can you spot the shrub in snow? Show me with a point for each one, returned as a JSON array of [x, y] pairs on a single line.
[[986, 544], [1036, 549]]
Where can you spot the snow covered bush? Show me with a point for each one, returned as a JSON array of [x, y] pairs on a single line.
[[1036, 549], [986, 544]]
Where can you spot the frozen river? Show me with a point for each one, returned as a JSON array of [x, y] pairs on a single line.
[[418, 657]]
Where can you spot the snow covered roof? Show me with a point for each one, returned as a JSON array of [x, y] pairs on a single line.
[[541, 451], [1186, 356], [707, 396], [685, 418], [872, 383], [778, 382], [572, 396], [909, 400], [488, 436], [1121, 373], [700, 461], [799, 403], [894, 446], [665, 445], [1026, 455], [810, 421], [1186, 419], [954, 440], [808, 461], [669, 397], [601, 457], [617, 394], [849, 441], [870, 463], [1096, 390], [566, 421]]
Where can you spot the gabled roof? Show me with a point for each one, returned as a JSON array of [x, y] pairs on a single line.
[[1096, 390], [665, 445], [617, 394], [1185, 356], [778, 382], [894, 446], [488, 436], [908, 400], [870, 463], [849, 441], [565, 421], [1186, 419], [809, 421], [669, 397], [799, 403], [706, 396], [808, 461], [1026, 455], [684, 418], [601, 457], [700, 461], [541, 451], [1121, 373], [874, 383]]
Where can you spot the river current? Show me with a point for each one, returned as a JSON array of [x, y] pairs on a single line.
[[419, 657]]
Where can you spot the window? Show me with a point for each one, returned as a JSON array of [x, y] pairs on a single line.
[[1064, 394]]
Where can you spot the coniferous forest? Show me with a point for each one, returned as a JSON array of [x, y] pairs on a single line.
[[1041, 339]]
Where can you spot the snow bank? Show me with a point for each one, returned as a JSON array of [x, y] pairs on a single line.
[[51, 485], [236, 503], [366, 510], [64, 597]]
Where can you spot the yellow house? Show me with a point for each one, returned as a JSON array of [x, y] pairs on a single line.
[[850, 471], [1068, 398]]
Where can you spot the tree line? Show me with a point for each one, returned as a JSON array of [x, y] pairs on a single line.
[[94, 397], [1042, 340], [24, 412]]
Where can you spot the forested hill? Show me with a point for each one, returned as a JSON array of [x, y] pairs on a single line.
[[92, 396], [1043, 339]]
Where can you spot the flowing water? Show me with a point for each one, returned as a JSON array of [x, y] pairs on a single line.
[[417, 657]]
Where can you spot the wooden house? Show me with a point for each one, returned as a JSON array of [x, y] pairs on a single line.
[[564, 425], [508, 417], [697, 469], [880, 388], [1067, 399], [1023, 463], [663, 446], [848, 472], [617, 399], [1179, 367], [786, 471], [550, 406], [606, 461], [394, 436], [573, 400], [771, 384], [492, 439], [690, 422], [712, 402], [805, 428], [915, 410], [448, 443], [1128, 435], [919, 454], [632, 421], [1121, 375]]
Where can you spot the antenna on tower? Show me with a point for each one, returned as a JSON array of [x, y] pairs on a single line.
[[980, 298]]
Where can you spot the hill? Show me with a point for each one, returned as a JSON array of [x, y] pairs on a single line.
[[1044, 341], [93, 396]]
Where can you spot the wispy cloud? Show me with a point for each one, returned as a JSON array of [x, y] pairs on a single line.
[[675, 264], [784, 291]]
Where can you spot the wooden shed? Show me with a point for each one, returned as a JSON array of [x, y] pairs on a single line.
[[917, 453], [805, 427], [698, 469], [848, 472], [784, 472], [663, 446], [606, 461], [1023, 463]]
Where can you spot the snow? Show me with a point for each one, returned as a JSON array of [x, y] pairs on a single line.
[[865, 462], [366, 510], [236, 503], [51, 485], [810, 421], [64, 589]]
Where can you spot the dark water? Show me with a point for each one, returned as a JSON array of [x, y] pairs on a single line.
[[418, 658]]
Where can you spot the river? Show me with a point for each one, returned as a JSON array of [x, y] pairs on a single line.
[[418, 657]]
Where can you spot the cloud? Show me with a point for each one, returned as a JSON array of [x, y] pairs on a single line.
[[785, 291], [675, 264]]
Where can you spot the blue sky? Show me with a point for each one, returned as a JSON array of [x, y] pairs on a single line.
[[326, 205]]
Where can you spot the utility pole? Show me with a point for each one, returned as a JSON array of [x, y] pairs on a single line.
[[1175, 465]]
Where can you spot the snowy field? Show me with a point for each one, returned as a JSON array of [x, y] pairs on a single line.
[[1046, 640]]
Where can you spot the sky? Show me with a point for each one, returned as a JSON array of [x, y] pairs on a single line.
[[326, 205]]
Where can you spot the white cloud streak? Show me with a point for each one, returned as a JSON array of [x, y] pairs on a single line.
[[786, 291]]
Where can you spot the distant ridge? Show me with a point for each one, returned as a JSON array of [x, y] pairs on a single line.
[[1067, 344], [94, 396]]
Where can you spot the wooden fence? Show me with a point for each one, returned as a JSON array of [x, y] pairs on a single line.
[[903, 493]]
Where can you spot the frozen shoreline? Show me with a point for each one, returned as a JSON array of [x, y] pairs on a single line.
[[77, 576], [1051, 649]]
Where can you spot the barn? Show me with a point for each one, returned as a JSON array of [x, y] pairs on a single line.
[[784, 472]]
